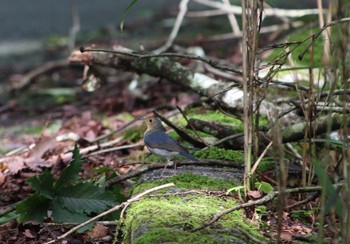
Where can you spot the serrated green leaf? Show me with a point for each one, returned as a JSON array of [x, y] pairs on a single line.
[[85, 198], [60, 214], [43, 184], [8, 217], [33, 208], [117, 192], [71, 172]]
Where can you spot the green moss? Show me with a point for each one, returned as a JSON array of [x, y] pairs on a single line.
[[125, 116], [218, 117], [220, 154], [300, 35], [32, 130], [263, 121], [303, 215], [266, 164], [134, 134], [165, 235], [166, 217], [176, 136], [186, 181], [154, 159]]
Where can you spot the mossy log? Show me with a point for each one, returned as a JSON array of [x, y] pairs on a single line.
[[170, 215]]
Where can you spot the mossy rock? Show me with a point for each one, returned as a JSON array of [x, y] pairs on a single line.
[[188, 181], [169, 217]]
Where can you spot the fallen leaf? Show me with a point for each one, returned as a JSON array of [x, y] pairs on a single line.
[[41, 147], [28, 234], [14, 164], [254, 194], [98, 232], [2, 178]]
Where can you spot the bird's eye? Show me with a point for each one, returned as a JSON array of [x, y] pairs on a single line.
[[150, 120]]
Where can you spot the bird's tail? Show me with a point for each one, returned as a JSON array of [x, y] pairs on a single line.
[[189, 156]]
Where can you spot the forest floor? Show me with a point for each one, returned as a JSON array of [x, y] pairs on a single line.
[[56, 105]]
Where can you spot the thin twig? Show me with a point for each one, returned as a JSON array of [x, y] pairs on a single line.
[[303, 202], [115, 208], [232, 19], [278, 12], [317, 34], [116, 149], [268, 198], [193, 129], [255, 166], [122, 127], [168, 55], [180, 132], [176, 28]]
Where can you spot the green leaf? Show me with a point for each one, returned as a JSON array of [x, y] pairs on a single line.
[[63, 215], [85, 198], [68, 201], [117, 191], [329, 190], [43, 184], [262, 209], [236, 189], [71, 172], [264, 187], [126, 12], [60, 214], [102, 170], [33, 208], [8, 217], [101, 181]]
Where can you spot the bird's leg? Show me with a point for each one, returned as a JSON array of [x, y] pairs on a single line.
[[174, 172], [166, 165]]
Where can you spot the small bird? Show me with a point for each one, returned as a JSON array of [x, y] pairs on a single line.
[[160, 143]]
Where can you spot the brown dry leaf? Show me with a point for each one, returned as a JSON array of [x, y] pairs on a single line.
[[14, 164], [98, 232], [28, 234], [286, 236], [300, 228], [2, 178], [254, 194], [41, 147]]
